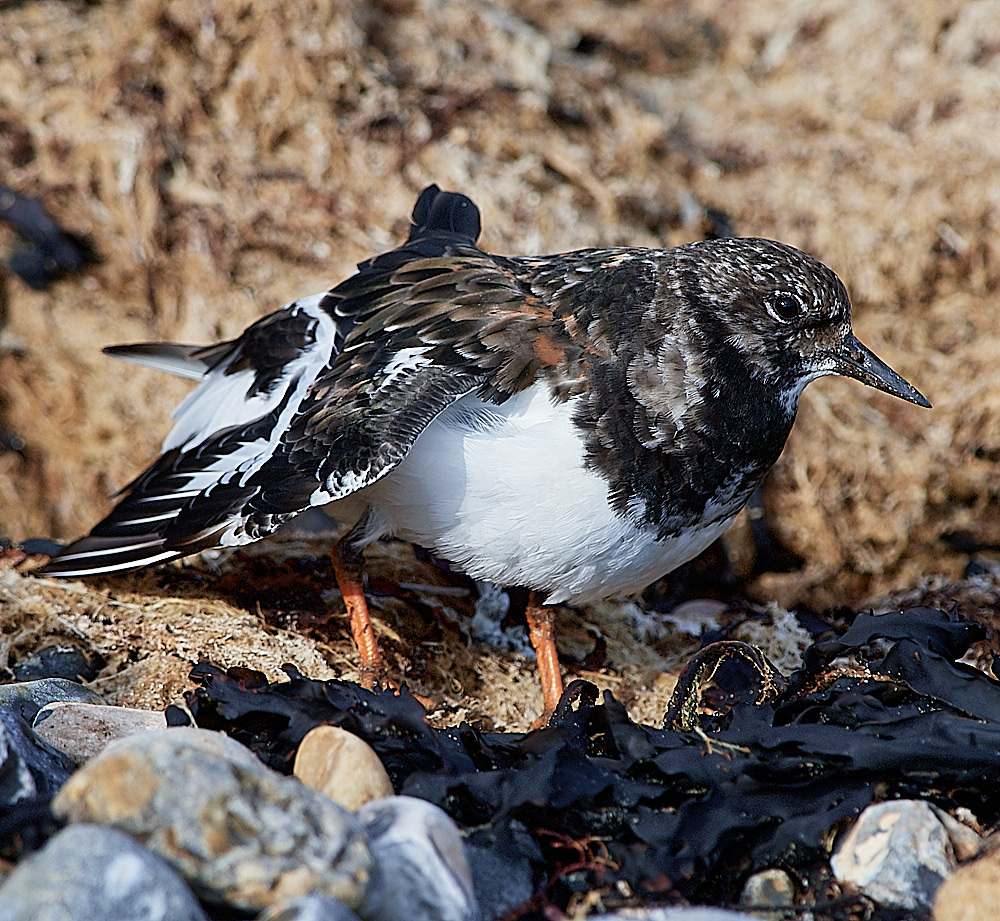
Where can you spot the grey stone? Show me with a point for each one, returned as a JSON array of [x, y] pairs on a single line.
[[84, 730], [87, 872], [28, 697], [241, 834], [311, 907], [502, 873], [29, 768], [897, 853], [423, 874], [965, 841], [58, 661], [486, 625]]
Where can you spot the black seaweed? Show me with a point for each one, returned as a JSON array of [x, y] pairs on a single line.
[[761, 780]]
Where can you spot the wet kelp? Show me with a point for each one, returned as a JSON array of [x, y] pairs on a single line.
[[749, 770]]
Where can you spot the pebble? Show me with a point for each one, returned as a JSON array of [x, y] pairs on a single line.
[[28, 697], [897, 853], [767, 891], [87, 872], [58, 661], [502, 874], [240, 833], [310, 907], [203, 808], [341, 765], [30, 768], [972, 892], [965, 842], [486, 626], [84, 730], [423, 874]]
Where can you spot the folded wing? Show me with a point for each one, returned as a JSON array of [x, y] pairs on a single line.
[[322, 397]]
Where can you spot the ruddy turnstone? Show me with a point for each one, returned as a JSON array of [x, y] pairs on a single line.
[[577, 424]]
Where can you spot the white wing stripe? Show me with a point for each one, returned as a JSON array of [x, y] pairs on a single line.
[[130, 563], [159, 497], [404, 361], [88, 554], [193, 370], [131, 522]]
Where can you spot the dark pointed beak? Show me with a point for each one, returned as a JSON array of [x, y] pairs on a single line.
[[860, 362]]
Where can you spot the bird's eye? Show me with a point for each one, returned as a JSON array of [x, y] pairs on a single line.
[[785, 307]]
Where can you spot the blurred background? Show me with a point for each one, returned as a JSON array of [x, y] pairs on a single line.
[[213, 160]]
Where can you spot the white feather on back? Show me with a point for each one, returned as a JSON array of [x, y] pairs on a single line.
[[221, 401]]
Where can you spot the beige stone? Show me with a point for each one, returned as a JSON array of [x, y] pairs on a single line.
[[971, 893], [341, 765]]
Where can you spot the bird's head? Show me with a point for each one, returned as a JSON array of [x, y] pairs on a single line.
[[785, 315]]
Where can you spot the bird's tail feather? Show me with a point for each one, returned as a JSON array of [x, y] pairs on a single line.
[[110, 549], [192, 361], [92, 555]]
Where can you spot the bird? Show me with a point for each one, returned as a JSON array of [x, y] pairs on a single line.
[[577, 424]]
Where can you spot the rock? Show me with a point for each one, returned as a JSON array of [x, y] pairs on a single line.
[[486, 626], [769, 890], [308, 908], [84, 730], [341, 765], [28, 697], [423, 874], [966, 843], [42, 545], [897, 853], [29, 768], [972, 892], [502, 873], [240, 833], [87, 872], [59, 661]]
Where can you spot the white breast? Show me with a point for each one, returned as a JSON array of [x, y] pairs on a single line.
[[503, 492]]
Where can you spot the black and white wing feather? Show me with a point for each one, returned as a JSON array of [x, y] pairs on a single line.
[[325, 396], [225, 430]]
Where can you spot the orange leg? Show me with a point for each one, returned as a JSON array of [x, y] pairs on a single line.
[[347, 564], [542, 630]]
